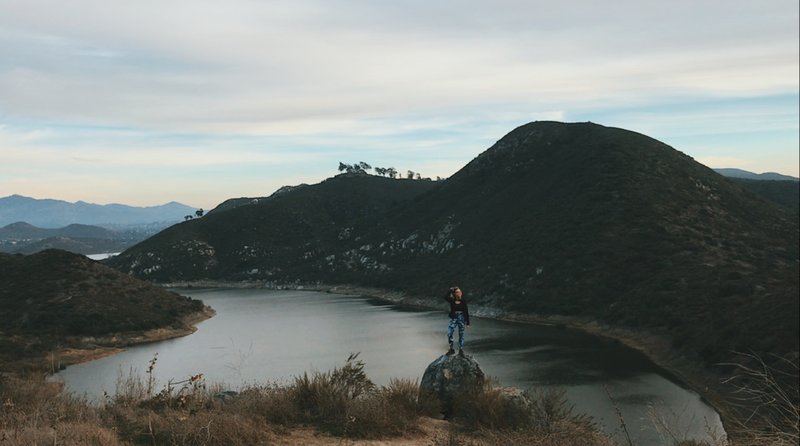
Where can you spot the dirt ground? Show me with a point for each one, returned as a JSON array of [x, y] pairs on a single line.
[[430, 429]]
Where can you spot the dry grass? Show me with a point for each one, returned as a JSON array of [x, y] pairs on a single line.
[[342, 404], [768, 400], [35, 412]]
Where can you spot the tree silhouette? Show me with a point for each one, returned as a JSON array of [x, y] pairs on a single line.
[[199, 212], [410, 174], [392, 172], [359, 167], [187, 218]]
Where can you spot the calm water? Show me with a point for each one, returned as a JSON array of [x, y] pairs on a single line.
[[261, 336]]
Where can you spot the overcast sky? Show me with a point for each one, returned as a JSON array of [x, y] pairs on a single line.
[[145, 102]]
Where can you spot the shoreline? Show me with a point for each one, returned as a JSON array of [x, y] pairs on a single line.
[[655, 347], [84, 349]]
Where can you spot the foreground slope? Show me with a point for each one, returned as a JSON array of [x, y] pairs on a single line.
[[55, 300], [570, 219]]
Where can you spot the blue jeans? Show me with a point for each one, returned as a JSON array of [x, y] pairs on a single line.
[[456, 321]]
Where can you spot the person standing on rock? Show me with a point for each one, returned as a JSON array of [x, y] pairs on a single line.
[[459, 317]]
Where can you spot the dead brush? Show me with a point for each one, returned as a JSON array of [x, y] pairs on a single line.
[[486, 407], [768, 400], [406, 396], [36, 412], [325, 398], [272, 402]]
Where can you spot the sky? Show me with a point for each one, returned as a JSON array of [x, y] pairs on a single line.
[[147, 102]]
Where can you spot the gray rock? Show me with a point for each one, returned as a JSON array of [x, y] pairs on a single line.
[[225, 396], [452, 375]]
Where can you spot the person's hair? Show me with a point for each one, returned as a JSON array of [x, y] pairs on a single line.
[[453, 291]]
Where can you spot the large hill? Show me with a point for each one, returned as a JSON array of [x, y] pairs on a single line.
[[570, 219], [56, 300], [49, 213]]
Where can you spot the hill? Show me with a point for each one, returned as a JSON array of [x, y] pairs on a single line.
[[576, 219], [264, 239], [56, 213], [766, 176], [56, 300], [24, 238], [23, 231], [782, 193]]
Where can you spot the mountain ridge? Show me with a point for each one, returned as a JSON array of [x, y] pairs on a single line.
[[766, 176], [51, 213]]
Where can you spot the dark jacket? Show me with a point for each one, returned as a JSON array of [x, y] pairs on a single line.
[[457, 307]]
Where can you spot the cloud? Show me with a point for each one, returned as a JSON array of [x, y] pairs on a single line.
[[272, 68], [290, 88]]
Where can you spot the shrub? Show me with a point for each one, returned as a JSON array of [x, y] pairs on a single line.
[[768, 400], [325, 398], [551, 409], [489, 407]]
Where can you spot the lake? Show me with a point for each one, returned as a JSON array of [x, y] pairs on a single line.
[[102, 256], [263, 336]]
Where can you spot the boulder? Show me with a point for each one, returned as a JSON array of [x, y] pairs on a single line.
[[450, 376]]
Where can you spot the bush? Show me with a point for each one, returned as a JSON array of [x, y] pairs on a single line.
[[325, 398], [551, 410], [490, 407], [768, 400]]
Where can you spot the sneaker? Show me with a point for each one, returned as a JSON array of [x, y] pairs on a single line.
[[461, 352], [451, 351]]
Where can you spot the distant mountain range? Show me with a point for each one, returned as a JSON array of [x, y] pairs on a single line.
[[554, 219], [767, 176], [49, 213]]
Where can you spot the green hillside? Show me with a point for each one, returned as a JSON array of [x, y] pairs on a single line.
[[56, 299]]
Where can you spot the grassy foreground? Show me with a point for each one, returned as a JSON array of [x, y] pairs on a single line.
[[341, 406]]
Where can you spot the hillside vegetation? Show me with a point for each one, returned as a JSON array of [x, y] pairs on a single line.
[[554, 219], [784, 193], [55, 300]]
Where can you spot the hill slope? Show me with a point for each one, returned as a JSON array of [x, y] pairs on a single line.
[[570, 219], [55, 299], [267, 238], [783, 193]]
